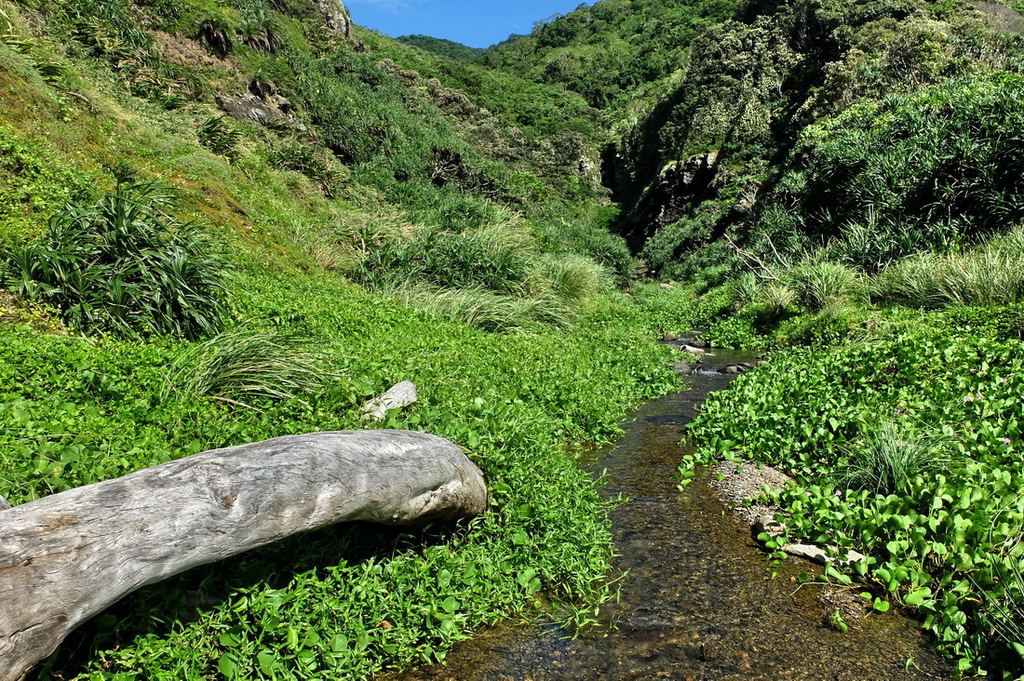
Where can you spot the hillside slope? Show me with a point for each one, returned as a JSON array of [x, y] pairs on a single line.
[[767, 119]]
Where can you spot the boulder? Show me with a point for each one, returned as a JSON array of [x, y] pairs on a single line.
[[682, 368], [249, 107]]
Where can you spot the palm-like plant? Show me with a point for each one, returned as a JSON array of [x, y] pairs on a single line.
[[123, 265]]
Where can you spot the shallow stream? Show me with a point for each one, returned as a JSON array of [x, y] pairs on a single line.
[[699, 601]]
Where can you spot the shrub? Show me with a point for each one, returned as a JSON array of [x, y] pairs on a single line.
[[260, 29], [925, 169], [219, 136], [123, 265], [316, 164], [559, 233], [747, 288]]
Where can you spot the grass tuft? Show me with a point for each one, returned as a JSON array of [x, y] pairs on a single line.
[[488, 310], [242, 365], [889, 459]]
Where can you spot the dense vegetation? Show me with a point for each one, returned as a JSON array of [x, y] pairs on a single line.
[[842, 181], [226, 221], [607, 50], [177, 278]]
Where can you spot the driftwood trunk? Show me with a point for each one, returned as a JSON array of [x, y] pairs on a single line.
[[66, 557]]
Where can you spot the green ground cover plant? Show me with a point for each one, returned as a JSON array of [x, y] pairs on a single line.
[[857, 155], [907, 448], [348, 601]]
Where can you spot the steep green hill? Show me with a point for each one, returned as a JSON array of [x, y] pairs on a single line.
[[607, 50], [721, 114], [445, 48]]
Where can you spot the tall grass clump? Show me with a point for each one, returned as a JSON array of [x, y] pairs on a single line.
[[242, 365], [122, 265], [819, 285], [747, 288], [777, 298], [488, 310], [574, 278], [495, 258], [887, 459], [992, 274], [1005, 613]]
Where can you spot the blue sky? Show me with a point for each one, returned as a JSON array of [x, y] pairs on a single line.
[[477, 23]]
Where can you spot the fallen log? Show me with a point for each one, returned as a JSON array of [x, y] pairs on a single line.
[[66, 557]]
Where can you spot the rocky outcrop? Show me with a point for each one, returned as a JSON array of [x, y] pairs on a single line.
[[249, 107], [677, 188], [337, 18]]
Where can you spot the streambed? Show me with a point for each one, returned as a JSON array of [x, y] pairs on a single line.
[[699, 601]]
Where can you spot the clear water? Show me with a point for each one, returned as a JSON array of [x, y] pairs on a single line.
[[698, 601]]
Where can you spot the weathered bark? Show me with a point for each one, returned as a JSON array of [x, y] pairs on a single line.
[[4, 504], [399, 395], [68, 556]]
